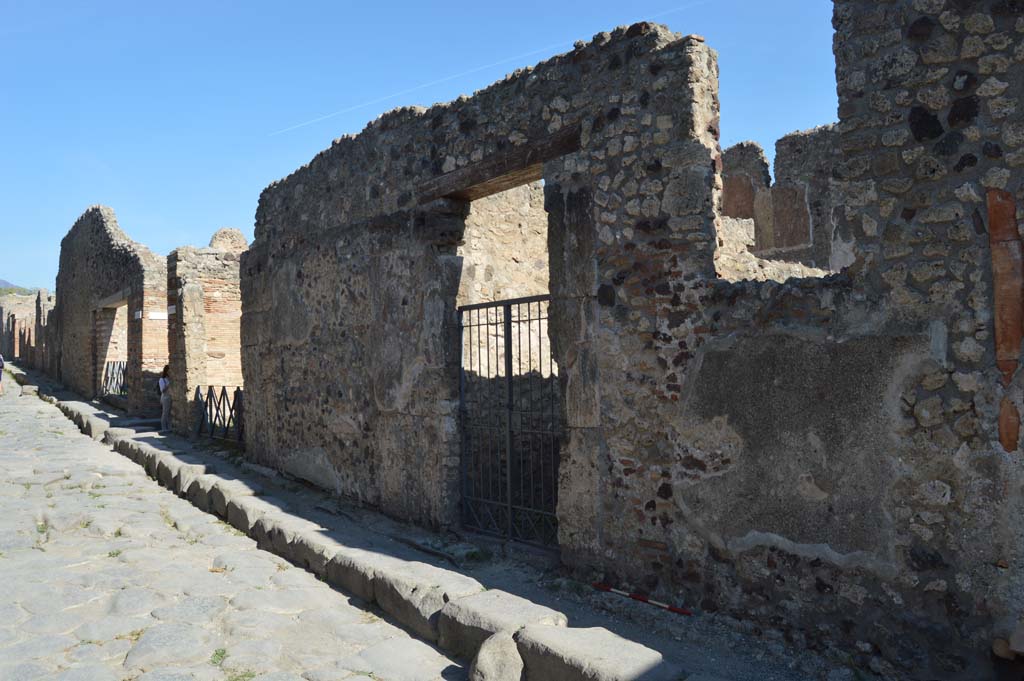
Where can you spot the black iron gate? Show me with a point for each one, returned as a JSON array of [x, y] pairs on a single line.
[[511, 420], [114, 382], [219, 413]]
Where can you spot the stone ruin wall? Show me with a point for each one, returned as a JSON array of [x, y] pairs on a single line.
[[835, 457], [838, 458], [53, 356], [933, 151], [102, 271], [16, 311], [792, 218], [43, 306], [822, 457], [735, 259], [204, 323], [350, 346], [801, 195]]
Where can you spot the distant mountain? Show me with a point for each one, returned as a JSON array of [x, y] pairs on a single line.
[[8, 287]]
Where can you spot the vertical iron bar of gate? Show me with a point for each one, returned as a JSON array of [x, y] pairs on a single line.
[[508, 415], [463, 416]]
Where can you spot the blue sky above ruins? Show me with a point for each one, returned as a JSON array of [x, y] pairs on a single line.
[[177, 115]]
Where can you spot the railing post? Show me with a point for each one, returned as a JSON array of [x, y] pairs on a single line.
[[210, 397], [238, 406]]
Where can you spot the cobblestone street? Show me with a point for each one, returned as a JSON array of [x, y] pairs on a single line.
[[105, 575]]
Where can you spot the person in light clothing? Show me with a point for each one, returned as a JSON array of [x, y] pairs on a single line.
[[165, 399]]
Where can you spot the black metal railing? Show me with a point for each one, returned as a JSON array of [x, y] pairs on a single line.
[[219, 413], [510, 415], [114, 379]]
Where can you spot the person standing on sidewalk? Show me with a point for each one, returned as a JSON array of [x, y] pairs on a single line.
[[1, 375], [165, 399]]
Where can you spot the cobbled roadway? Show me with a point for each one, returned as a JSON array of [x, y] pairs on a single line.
[[104, 575]]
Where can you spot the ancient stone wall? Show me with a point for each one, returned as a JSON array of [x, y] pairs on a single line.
[[14, 307], [44, 303], [746, 184], [52, 341], [204, 325], [835, 457], [802, 206], [933, 152], [735, 259], [24, 328], [839, 458], [793, 220], [350, 348], [102, 270]]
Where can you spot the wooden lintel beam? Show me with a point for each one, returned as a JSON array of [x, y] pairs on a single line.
[[114, 300], [512, 168]]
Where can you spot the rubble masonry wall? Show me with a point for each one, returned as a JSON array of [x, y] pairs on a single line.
[[101, 269], [350, 348], [834, 458], [204, 328]]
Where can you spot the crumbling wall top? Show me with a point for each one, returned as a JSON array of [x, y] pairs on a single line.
[[747, 158], [800, 154], [97, 231], [229, 239], [381, 170]]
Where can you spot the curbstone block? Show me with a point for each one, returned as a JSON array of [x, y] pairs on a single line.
[[285, 533], [199, 491], [592, 654], [243, 512], [186, 474], [167, 468], [311, 550], [465, 623], [224, 490], [497, 660], [414, 593], [353, 570], [114, 435], [95, 427]]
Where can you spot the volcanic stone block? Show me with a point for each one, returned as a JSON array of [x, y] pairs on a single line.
[[594, 654], [414, 593], [466, 623]]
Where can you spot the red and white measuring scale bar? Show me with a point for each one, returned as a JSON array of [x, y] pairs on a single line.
[[643, 599]]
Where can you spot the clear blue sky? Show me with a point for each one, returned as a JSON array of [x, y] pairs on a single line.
[[167, 112]]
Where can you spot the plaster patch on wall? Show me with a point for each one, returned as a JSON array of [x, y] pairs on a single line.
[[855, 559], [706, 449]]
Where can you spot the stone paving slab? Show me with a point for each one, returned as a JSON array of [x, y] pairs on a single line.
[[106, 575]]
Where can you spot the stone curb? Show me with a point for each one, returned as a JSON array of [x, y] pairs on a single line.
[[593, 654], [442, 606]]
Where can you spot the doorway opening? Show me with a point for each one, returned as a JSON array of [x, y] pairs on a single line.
[[509, 397], [110, 352]]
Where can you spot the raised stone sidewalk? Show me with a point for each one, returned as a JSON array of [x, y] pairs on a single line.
[[445, 608]]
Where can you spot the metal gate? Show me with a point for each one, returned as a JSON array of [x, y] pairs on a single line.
[[509, 404], [114, 382]]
